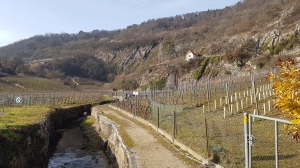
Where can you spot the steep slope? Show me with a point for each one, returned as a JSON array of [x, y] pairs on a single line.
[[144, 54]]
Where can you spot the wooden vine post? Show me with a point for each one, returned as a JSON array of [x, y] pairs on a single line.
[[255, 96]]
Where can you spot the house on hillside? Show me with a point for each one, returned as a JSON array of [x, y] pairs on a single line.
[[190, 55]]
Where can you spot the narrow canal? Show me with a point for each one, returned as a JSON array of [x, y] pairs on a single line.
[[70, 151]]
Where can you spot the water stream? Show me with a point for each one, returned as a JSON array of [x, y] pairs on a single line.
[[69, 152]]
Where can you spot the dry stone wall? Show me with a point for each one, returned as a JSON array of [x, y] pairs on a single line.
[[109, 133], [32, 150]]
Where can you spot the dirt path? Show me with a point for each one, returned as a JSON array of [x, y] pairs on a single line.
[[149, 151]]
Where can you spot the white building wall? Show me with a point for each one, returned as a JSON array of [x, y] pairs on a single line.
[[189, 56]]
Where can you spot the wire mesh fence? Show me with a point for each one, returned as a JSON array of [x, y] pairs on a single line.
[[219, 138], [209, 120], [288, 149], [207, 133], [54, 99], [271, 146]]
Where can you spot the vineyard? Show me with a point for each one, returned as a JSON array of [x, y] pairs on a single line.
[[52, 99], [207, 116], [19, 84], [38, 91]]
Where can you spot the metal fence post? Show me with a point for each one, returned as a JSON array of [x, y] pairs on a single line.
[[249, 146], [174, 126], [3, 106], [207, 141], [246, 140], [135, 106], [276, 144], [157, 117], [276, 120]]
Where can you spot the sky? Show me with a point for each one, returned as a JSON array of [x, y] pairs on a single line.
[[22, 19]]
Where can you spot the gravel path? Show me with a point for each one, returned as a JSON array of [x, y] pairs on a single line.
[[149, 151]]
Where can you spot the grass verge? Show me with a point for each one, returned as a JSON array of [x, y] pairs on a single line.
[[18, 119], [94, 142]]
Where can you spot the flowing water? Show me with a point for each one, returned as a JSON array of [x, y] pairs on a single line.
[[69, 152]]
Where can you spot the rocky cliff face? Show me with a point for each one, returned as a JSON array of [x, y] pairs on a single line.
[[273, 41]]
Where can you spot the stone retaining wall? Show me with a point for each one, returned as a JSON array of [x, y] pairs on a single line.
[[108, 131], [32, 150]]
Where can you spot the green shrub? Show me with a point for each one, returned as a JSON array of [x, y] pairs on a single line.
[[292, 41], [214, 73], [87, 122], [200, 71], [278, 48], [265, 46], [216, 157], [260, 65], [214, 59], [197, 61], [287, 44], [227, 72], [160, 84]]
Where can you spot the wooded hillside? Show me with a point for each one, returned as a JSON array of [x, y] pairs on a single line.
[[238, 33]]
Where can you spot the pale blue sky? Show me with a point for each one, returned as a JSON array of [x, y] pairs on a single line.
[[21, 19]]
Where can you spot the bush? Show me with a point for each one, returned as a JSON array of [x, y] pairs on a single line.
[[265, 46], [160, 84], [227, 72], [260, 65], [215, 59], [200, 71], [216, 157], [287, 44], [278, 48], [87, 122], [286, 89], [214, 73]]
